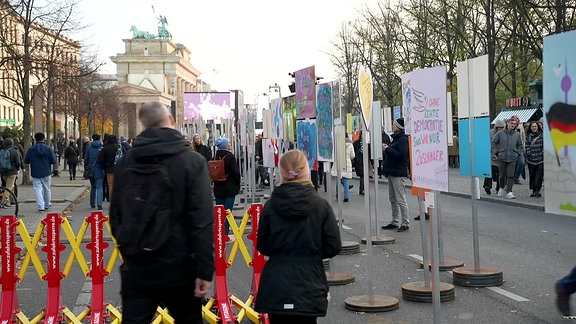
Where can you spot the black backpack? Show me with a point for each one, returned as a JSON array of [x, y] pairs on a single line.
[[146, 197]]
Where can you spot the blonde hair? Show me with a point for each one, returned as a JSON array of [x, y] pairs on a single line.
[[294, 167]]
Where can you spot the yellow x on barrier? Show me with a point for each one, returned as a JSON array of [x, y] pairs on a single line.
[[238, 233]]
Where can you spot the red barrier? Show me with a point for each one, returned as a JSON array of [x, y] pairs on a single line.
[[9, 305], [258, 260], [98, 271], [54, 275], [221, 286]]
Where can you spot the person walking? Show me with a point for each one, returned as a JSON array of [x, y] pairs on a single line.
[[498, 126], [10, 174], [201, 148], [42, 159], [535, 158], [107, 158], [225, 191], [72, 156], [177, 274], [346, 170], [521, 164], [359, 162], [506, 146], [396, 165], [297, 231], [565, 287], [454, 152], [96, 176]]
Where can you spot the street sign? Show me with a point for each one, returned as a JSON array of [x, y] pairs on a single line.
[[8, 121]]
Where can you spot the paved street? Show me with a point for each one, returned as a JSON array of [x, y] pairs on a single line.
[[533, 249]]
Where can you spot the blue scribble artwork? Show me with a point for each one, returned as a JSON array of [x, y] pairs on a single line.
[[306, 141], [324, 122], [277, 119]]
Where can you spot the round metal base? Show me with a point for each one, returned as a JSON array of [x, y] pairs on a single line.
[[378, 303], [418, 292], [485, 277], [349, 248], [446, 264], [380, 240], [339, 279]]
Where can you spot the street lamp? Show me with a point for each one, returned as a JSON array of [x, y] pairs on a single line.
[[276, 88]]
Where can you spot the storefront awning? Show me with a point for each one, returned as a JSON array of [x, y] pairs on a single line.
[[524, 114]]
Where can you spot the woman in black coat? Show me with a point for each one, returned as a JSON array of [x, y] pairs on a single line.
[[72, 156], [297, 231], [201, 148]]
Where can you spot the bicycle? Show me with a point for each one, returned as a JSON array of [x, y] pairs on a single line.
[[8, 201]]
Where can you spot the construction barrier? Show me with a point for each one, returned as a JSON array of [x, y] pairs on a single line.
[[219, 308]]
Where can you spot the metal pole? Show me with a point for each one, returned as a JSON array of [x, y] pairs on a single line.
[[424, 236], [472, 178], [367, 210], [435, 261]]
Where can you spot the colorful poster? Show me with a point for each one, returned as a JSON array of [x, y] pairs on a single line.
[[356, 123], [336, 101], [365, 94], [424, 107], [324, 121], [305, 80], [277, 118], [560, 123], [306, 141], [289, 124], [349, 122], [269, 151], [208, 105]]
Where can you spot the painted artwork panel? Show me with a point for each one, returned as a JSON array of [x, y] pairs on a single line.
[[269, 151], [267, 124], [289, 124], [560, 123], [207, 105], [324, 122], [481, 145], [305, 81], [277, 118], [424, 108], [306, 136]]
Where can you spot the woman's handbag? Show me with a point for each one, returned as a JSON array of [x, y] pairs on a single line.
[[89, 171]]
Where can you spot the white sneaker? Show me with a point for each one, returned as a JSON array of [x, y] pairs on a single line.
[[501, 192], [510, 195], [232, 238]]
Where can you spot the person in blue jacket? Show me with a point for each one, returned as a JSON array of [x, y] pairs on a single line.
[[41, 158], [97, 178]]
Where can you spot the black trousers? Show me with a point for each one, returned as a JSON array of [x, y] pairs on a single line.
[[536, 173], [488, 181], [139, 304]]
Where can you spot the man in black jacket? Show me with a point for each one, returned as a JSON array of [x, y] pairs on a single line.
[[396, 164], [178, 275]]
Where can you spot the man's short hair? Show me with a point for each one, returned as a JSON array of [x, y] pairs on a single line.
[[39, 136], [95, 137], [153, 114]]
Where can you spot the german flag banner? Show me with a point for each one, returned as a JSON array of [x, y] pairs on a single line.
[[561, 120], [559, 107]]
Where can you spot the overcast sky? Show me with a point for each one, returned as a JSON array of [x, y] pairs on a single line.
[[236, 44]]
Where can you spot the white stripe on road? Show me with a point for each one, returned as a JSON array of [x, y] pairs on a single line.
[[346, 227], [508, 294], [500, 291]]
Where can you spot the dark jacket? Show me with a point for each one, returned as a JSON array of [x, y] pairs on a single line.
[[41, 157], [297, 230], [72, 154], [359, 157], [204, 151], [91, 157], [230, 187], [397, 158], [108, 154], [507, 145], [15, 159], [535, 148], [189, 253]]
